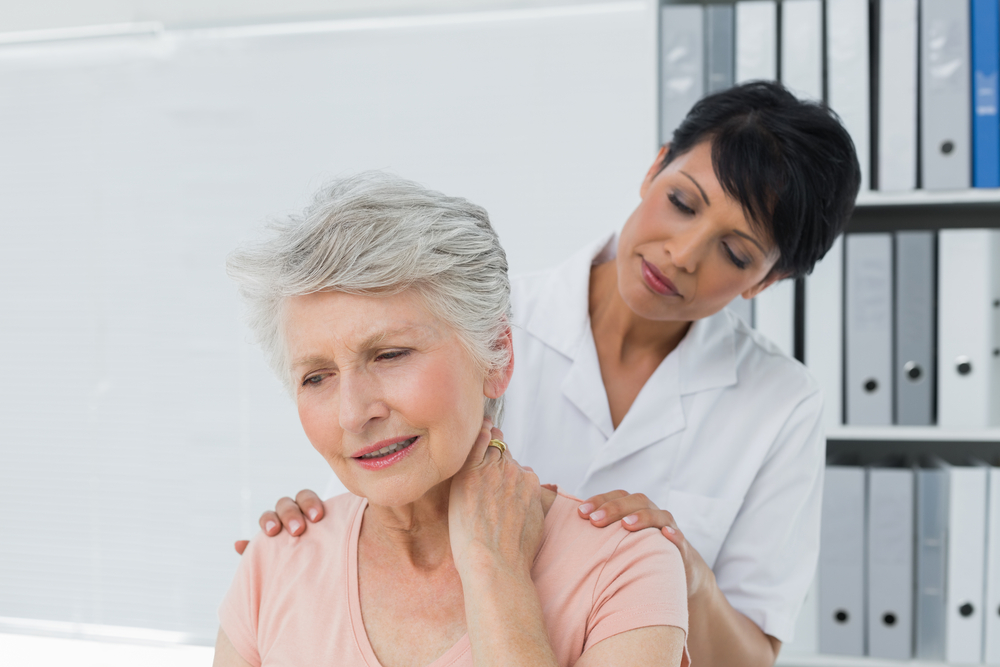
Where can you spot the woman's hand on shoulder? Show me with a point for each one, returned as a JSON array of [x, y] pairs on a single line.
[[495, 509], [290, 515], [636, 512]]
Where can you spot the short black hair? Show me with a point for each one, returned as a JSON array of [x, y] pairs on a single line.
[[790, 163]]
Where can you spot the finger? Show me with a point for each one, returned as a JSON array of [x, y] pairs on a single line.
[[592, 503], [291, 516], [310, 505], [551, 487], [478, 452], [647, 518], [270, 523], [674, 534], [497, 434], [619, 508], [241, 546]]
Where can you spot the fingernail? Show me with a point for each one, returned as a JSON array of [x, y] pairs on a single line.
[[313, 513], [294, 526], [630, 519], [586, 508], [269, 526], [669, 530], [598, 515]]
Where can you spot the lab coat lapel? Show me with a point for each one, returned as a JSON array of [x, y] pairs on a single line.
[[704, 360], [560, 318], [583, 386], [655, 415]]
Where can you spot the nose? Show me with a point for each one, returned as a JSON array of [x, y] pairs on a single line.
[[360, 401], [686, 246]]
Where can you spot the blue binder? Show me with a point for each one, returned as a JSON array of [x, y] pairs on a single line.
[[985, 102]]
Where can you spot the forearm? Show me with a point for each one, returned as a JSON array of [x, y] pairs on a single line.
[[720, 636], [504, 618]]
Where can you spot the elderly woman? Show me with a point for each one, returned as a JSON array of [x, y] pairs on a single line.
[[385, 310]]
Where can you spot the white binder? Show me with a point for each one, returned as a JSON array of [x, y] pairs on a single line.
[[774, 315], [756, 40], [915, 315], [847, 74], [945, 123], [991, 652], [802, 48], [968, 326], [682, 64], [931, 547], [897, 95], [824, 331], [842, 562], [890, 562], [868, 343], [966, 562], [720, 44]]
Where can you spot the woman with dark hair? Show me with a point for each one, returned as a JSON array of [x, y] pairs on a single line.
[[630, 372]]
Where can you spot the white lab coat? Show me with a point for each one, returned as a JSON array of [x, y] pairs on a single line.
[[726, 434]]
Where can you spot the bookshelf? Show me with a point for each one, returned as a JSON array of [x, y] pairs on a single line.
[[883, 212]]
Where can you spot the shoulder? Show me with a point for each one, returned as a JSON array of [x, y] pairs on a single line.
[[580, 543], [761, 365], [286, 550]]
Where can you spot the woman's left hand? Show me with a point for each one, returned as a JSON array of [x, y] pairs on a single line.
[[495, 513], [636, 512]]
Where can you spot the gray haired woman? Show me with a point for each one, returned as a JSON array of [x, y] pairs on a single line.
[[385, 310]]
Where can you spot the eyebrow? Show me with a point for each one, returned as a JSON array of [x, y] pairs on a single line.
[[368, 343], [697, 185], [751, 239]]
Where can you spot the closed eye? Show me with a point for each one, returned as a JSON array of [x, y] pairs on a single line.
[[391, 354], [679, 205], [734, 258]]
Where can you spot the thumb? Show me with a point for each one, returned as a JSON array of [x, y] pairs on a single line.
[[478, 452], [241, 546]]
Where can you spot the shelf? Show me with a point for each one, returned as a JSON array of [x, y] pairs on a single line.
[[913, 433], [929, 198], [810, 660]]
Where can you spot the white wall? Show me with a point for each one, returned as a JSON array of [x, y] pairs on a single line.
[[18, 15], [140, 433]]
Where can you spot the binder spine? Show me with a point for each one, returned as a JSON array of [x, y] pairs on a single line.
[[968, 324], [682, 67], [932, 521], [985, 102], [720, 43], [756, 40], [897, 95], [868, 364], [915, 308], [946, 158], [848, 74]]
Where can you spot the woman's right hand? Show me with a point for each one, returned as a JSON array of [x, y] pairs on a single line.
[[290, 515]]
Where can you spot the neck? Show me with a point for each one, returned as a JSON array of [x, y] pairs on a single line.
[[416, 532], [614, 323]]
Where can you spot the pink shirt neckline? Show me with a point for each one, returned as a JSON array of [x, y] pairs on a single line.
[[450, 657]]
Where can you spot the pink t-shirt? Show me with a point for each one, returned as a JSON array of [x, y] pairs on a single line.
[[294, 601]]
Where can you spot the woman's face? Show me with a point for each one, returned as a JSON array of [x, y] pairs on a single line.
[[386, 391], [688, 250]]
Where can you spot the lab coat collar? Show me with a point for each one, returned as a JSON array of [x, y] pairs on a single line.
[[561, 316]]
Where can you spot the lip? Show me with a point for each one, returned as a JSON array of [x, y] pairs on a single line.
[[656, 281], [384, 461]]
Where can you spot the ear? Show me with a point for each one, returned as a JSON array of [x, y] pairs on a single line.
[[497, 380], [654, 170], [768, 280]]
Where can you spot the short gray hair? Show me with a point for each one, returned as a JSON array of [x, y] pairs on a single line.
[[375, 233]]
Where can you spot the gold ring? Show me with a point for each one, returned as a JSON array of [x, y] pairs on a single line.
[[499, 444]]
